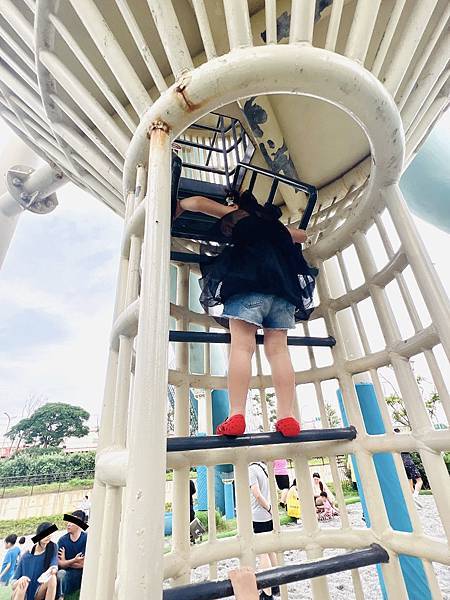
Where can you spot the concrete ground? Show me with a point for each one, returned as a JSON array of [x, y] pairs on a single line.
[[340, 584]]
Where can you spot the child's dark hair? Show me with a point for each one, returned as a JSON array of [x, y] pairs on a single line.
[[22, 540], [324, 494], [50, 549], [247, 201], [11, 539]]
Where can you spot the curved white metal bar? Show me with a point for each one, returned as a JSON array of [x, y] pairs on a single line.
[[316, 73]]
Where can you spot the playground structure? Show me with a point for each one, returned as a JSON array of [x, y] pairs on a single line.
[[340, 94]]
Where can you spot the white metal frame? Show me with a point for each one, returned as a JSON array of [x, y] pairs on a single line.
[[382, 89]]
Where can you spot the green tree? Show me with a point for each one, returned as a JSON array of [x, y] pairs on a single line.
[[333, 418], [398, 408], [50, 424]]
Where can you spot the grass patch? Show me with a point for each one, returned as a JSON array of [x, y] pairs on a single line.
[[318, 462], [46, 488], [28, 526], [5, 594], [352, 499]]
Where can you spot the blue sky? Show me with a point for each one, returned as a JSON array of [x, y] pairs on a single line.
[[56, 296], [57, 291]]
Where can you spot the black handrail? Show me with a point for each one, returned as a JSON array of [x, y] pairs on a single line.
[[214, 590], [213, 442], [225, 338], [301, 186]]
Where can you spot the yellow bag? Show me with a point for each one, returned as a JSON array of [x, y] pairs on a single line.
[[293, 503]]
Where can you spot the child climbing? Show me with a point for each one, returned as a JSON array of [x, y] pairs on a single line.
[[263, 281]]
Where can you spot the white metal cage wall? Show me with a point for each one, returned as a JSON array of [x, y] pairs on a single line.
[[103, 90]]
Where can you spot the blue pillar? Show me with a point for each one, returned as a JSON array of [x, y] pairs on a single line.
[[412, 567], [220, 411], [202, 485], [229, 499]]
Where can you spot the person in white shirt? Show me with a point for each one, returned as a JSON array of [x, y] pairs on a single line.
[[262, 515], [85, 506]]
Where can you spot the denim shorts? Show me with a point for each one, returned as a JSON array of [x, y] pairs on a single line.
[[263, 310]]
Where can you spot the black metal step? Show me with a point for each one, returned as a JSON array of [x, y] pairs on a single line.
[[194, 187], [187, 257], [213, 590], [212, 442], [225, 338]]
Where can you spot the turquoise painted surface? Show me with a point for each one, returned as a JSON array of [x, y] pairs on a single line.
[[426, 183]]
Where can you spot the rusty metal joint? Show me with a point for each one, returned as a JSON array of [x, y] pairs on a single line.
[[158, 125]]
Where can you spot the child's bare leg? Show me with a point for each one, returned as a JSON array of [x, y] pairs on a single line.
[[283, 376], [418, 486], [243, 345], [267, 561], [283, 496]]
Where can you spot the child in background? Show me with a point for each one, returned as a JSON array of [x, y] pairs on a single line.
[[326, 510], [22, 541], [10, 559]]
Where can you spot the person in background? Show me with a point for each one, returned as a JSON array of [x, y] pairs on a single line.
[[319, 487], [71, 551], [413, 474], [32, 565], [22, 542], [325, 509], [10, 560], [192, 492], [262, 515], [85, 506], [293, 502], [280, 468]]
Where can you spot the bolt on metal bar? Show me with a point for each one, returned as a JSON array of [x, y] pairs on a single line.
[[224, 338], [212, 590], [213, 442]]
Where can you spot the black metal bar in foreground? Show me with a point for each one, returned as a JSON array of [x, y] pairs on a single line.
[[224, 338], [213, 442], [212, 590]]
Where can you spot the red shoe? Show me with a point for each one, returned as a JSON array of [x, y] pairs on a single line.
[[289, 427], [235, 425]]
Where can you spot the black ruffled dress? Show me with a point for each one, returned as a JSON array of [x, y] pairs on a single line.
[[261, 258]]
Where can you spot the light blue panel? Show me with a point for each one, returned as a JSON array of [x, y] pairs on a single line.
[[173, 284], [196, 352], [426, 182], [194, 294]]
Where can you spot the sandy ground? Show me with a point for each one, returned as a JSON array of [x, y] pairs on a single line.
[[340, 584]]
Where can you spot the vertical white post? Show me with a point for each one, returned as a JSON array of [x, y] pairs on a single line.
[[180, 508], [429, 283], [10, 211], [145, 493], [98, 536]]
